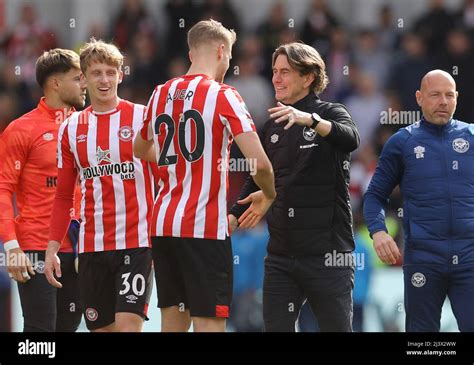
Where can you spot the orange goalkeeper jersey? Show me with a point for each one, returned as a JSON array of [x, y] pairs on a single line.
[[28, 168]]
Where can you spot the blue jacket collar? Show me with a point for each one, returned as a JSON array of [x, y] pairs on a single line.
[[435, 127]]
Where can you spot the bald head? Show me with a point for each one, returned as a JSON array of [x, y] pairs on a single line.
[[436, 76], [437, 97]]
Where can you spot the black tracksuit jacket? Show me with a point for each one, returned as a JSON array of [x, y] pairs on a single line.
[[311, 214]]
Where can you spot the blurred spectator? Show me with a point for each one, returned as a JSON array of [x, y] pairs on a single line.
[[97, 31], [338, 61], [362, 168], [132, 18], [182, 15], [8, 108], [465, 17], [21, 94], [254, 89], [177, 66], [371, 57], [287, 35], [318, 26], [252, 46], [366, 107], [395, 117], [27, 41], [387, 29], [458, 59], [29, 30], [408, 69], [269, 31], [434, 25], [222, 11], [147, 68]]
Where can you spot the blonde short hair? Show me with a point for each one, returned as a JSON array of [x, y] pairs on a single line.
[[210, 30], [55, 61], [100, 51], [306, 60]]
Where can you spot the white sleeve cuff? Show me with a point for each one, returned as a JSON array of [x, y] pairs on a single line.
[[10, 245]]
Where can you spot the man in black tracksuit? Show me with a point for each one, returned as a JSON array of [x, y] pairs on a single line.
[[310, 221]]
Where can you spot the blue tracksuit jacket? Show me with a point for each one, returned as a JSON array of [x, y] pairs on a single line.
[[434, 166]]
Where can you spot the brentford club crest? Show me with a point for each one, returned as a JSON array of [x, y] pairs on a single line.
[[39, 267], [125, 133], [418, 279], [309, 134], [91, 314], [460, 145]]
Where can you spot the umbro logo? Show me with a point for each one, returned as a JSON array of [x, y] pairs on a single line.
[[48, 136], [81, 138], [131, 299]]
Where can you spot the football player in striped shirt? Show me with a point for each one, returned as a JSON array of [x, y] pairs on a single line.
[[188, 130], [28, 169], [115, 261]]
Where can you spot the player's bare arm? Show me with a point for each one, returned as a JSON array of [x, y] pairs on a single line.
[[144, 149], [252, 149]]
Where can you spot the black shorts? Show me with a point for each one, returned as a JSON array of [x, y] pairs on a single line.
[[193, 273], [45, 308], [114, 281]]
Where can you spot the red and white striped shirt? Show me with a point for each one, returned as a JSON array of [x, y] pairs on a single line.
[[116, 186], [192, 120]]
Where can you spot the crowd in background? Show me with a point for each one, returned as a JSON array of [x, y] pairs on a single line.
[[373, 71]]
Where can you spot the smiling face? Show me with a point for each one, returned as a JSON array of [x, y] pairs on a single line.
[[290, 86], [437, 97], [102, 83]]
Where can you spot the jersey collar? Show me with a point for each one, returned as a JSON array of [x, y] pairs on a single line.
[[108, 112], [58, 115]]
